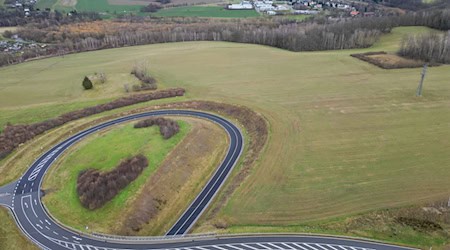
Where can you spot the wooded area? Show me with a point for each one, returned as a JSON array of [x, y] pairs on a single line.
[[431, 47]]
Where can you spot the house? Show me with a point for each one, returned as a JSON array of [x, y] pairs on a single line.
[[354, 13], [245, 5]]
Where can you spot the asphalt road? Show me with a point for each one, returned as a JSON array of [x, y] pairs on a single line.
[[24, 200]]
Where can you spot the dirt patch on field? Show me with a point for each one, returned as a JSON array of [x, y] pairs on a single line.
[[389, 61], [177, 181]]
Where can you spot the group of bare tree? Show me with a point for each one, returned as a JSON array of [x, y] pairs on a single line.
[[167, 127], [141, 71], [431, 47], [14, 135], [95, 188], [281, 33]]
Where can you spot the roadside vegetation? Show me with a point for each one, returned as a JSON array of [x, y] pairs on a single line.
[[14, 135], [11, 236], [116, 144]]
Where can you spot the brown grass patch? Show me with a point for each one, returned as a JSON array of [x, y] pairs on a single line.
[[177, 181], [389, 61]]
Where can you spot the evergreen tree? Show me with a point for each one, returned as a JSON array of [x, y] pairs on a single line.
[[87, 84]]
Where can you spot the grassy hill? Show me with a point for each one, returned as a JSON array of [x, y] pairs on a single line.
[[346, 137]]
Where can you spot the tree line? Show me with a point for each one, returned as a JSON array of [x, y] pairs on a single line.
[[278, 32], [432, 47], [16, 17], [14, 135]]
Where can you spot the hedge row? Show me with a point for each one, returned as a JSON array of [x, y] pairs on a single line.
[[14, 135], [167, 127], [95, 188]]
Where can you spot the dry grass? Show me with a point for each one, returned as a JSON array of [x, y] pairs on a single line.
[[389, 61], [176, 182], [10, 235]]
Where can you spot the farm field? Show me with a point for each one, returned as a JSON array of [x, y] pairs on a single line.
[[119, 143], [204, 11], [43, 4], [346, 137], [101, 6]]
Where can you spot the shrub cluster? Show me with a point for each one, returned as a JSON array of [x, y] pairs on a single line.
[[14, 135], [140, 71], [167, 127], [95, 188]]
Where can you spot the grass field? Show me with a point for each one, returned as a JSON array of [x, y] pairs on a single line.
[[346, 137], [43, 4], [204, 11], [104, 152], [89, 5], [10, 235]]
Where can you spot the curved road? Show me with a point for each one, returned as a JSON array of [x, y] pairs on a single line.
[[24, 199]]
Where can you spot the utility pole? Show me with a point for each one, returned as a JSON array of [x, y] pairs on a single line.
[[420, 87]]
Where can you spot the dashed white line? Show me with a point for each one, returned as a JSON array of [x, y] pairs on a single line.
[[39, 226], [47, 227], [46, 221], [55, 233]]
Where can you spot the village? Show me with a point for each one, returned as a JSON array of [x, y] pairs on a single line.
[[305, 7]]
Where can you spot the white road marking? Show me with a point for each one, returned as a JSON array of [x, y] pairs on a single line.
[[76, 238], [65, 238], [41, 222], [254, 248], [32, 184], [261, 245], [286, 245], [330, 246], [55, 233], [26, 205], [35, 202], [39, 226], [47, 227], [273, 245], [321, 246], [231, 246], [300, 246], [46, 221], [308, 245]]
